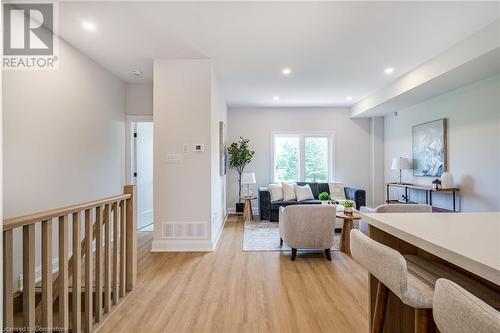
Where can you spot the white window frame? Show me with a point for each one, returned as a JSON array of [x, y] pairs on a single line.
[[302, 135]]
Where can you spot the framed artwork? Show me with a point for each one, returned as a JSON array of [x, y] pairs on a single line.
[[222, 149], [429, 146]]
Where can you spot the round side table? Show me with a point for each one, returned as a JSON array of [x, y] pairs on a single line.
[[247, 211], [345, 238]]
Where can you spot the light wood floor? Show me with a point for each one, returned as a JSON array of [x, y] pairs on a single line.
[[233, 291]]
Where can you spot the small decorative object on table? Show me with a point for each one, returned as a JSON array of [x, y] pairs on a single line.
[[324, 197], [348, 207], [436, 182], [446, 180]]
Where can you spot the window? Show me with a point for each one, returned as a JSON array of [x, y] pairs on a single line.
[[302, 157]]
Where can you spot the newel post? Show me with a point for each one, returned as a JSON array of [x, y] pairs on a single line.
[[131, 237]]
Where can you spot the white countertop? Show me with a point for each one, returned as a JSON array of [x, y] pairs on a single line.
[[468, 240]]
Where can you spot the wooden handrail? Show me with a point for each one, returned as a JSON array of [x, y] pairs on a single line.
[[115, 223], [21, 221]]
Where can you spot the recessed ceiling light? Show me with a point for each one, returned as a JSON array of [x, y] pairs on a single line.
[[286, 71], [348, 98], [89, 26], [276, 98], [136, 72], [389, 70]]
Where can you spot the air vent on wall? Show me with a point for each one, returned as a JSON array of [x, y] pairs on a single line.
[[184, 230]]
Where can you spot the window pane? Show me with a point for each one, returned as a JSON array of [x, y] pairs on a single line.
[[316, 159], [286, 152]]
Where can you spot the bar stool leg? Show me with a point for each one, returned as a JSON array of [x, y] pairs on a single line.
[[424, 322], [380, 307]]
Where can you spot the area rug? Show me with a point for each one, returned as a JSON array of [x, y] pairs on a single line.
[[265, 236]]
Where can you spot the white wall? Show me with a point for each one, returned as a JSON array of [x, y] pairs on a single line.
[[352, 142], [182, 191], [218, 113], [188, 193], [139, 99], [64, 137], [473, 114]]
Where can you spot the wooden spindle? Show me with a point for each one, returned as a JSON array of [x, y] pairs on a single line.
[[107, 259], [8, 288], [89, 275], [123, 275], [29, 275], [131, 237], [98, 264], [62, 278], [115, 253], [76, 285], [47, 275]]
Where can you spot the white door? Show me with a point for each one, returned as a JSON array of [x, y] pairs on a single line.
[[144, 173]]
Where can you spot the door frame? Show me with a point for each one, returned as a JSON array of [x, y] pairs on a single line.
[[129, 147]]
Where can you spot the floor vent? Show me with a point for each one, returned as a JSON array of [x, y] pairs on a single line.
[[184, 230]]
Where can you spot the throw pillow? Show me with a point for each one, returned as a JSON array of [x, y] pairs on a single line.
[[337, 191], [303, 192], [288, 192], [276, 192]]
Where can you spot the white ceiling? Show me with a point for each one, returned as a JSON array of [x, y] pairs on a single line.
[[335, 49]]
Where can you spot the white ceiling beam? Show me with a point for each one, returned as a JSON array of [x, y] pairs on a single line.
[[475, 57]]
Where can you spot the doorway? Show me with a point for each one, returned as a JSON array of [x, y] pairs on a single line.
[[141, 169]]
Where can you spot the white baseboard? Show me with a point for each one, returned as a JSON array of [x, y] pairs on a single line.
[[232, 210], [221, 230]]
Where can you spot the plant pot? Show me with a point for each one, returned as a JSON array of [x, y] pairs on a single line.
[[348, 210], [239, 207]]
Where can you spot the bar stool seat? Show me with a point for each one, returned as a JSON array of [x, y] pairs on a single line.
[[458, 311], [411, 278]]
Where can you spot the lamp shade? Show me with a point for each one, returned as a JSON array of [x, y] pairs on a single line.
[[400, 163], [248, 178]]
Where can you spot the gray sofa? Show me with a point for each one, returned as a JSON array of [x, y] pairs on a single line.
[[269, 210]]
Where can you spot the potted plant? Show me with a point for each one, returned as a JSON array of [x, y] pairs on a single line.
[[239, 156], [324, 197], [348, 207]]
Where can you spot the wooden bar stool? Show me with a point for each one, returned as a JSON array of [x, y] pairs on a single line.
[[456, 310], [390, 268]]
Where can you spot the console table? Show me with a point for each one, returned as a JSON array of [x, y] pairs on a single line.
[[428, 194]]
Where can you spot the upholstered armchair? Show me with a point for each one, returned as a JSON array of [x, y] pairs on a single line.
[[308, 227], [393, 208]]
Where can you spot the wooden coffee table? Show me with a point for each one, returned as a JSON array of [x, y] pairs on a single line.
[[345, 238], [247, 211]]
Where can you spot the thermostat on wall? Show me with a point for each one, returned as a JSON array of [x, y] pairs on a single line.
[[199, 147]]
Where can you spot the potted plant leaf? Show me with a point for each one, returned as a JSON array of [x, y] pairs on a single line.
[[239, 156], [324, 197]]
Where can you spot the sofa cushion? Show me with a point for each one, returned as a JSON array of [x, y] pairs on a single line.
[[337, 191], [310, 202], [303, 192], [323, 187], [288, 192], [283, 203], [314, 188], [276, 192]]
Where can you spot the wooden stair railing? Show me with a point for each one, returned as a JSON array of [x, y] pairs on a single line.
[[113, 234]]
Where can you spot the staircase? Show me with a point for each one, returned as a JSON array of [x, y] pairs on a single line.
[[90, 283]]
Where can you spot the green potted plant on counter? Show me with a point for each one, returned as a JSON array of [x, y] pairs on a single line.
[[239, 156]]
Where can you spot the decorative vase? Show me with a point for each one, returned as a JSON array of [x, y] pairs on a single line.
[[239, 207], [348, 210], [447, 180]]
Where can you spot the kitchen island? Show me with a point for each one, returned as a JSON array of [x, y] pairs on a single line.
[[466, 242]]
